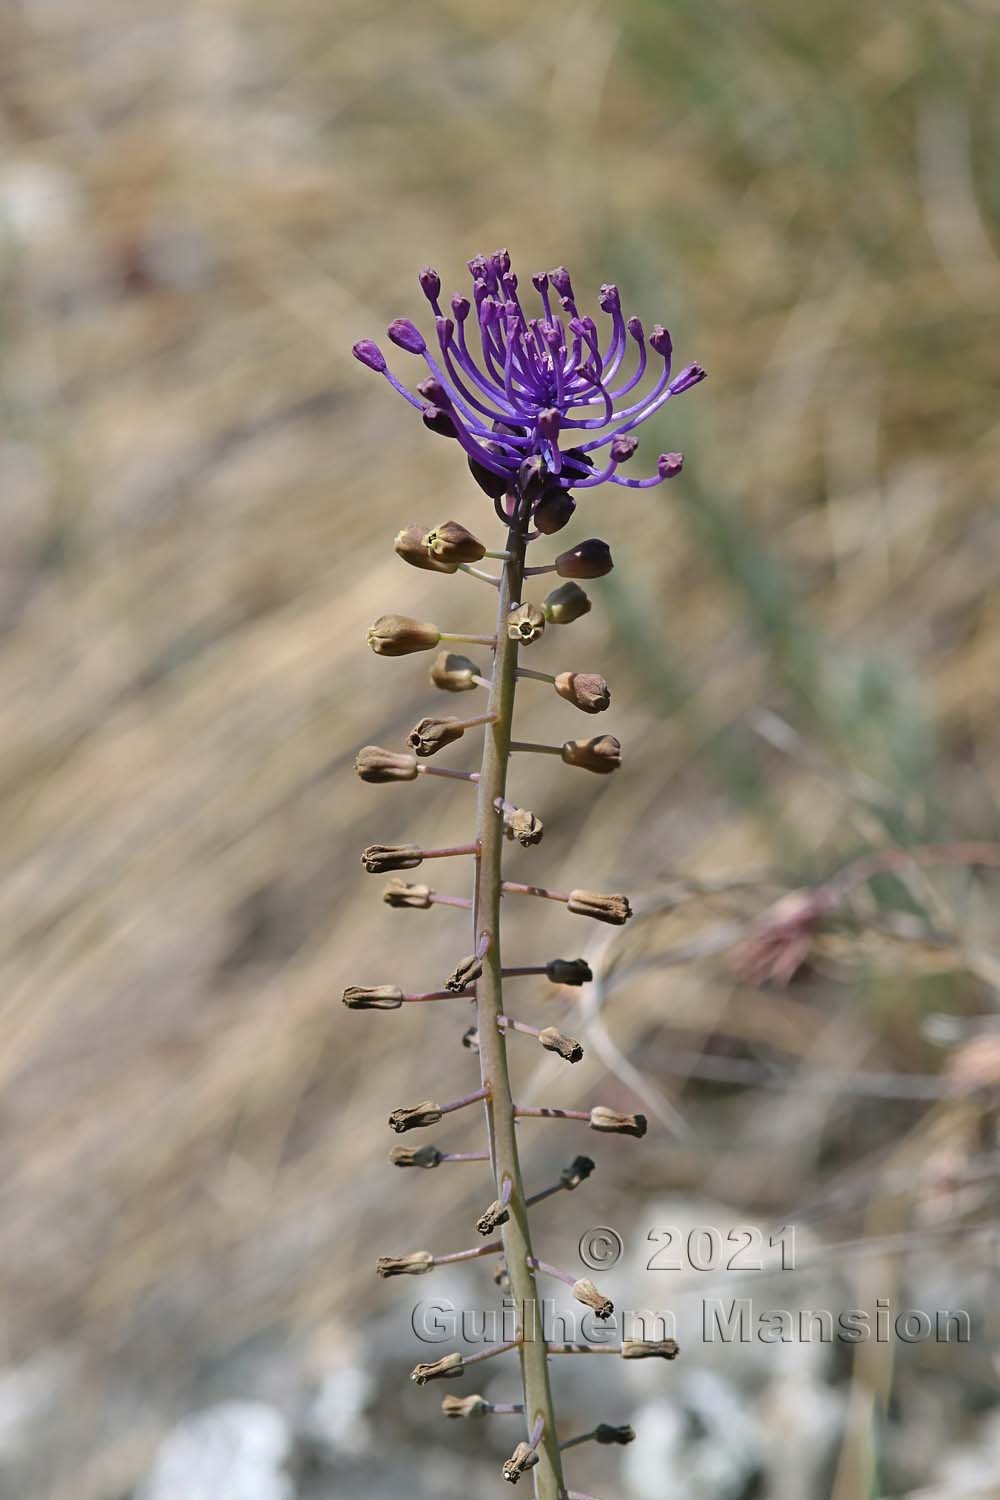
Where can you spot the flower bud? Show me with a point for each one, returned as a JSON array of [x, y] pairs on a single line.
[[623, 447], [521, 1460], [523, 826], [417, 1264], [374, 764], [610, 1121], [601, 754], [401, 893], [494, 1216], [501, 1276], [436, 419], [378, 997], [613, 909], [465, 1406], [568, 971], [670, 465], [430, 283], [398, 635], [411, 545], [415, 1117], [431, 735], [369, 354], [605, 1433], [589, 559], [585, 690], [493, 484], [453, 673], [532, 477], [378, 858], [650, 1349], [450, 1367], [586, 1292], [554, 510], [565, 604], [465, 973], [452, 543], [415, 1156], [660, 340], [566, 1046], [404, 333], [578, 1171], [470, 1038], [525, 624]]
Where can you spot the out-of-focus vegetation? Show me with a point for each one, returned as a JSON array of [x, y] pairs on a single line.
[[203, 205]]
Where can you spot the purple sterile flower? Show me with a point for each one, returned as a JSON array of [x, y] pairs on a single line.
[[539, 403]]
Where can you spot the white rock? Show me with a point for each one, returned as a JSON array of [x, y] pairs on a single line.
[[235, 1451], [703, 1445]]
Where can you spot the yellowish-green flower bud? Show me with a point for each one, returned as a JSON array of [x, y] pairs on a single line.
[[565, 604]]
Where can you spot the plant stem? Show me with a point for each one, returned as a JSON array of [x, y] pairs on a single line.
[[492, 1043]]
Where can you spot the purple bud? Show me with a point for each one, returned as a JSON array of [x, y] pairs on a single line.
[[531, 477], [406, 335], [661, 341], [688, 377], [609, 299], [548, 423], [560, 280], [539, 281], [669, 464], [439, 421], [430, 283], [460, 306], [552, 334], [510, 281], [369, 354], [445, 331], [634, 327], [578, 326], [477, 267], [623, 446], [501, 259], [433, 391]]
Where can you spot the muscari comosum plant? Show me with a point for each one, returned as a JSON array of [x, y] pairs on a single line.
[[540, 416]]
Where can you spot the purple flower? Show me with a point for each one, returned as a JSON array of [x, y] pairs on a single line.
[[536, 402]]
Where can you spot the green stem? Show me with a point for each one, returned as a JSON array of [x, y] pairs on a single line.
[[492, 1042]]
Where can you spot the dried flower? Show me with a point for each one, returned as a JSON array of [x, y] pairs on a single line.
[[411, 545], [613, 1123], [605, 1433], [495, 1215], [415, 1117], [602, 754], [612, 909], [568, 970], [452, 543], [398, 635], [578, 1171], [453, 673], [374, 764], [521, 1460], [525, 624], [465, 1406], [417, 1264], [501, 1276], [566, 1046], [553, 511], [401, 893], [523, 826], [465, 972], [415, 1156], [589, 559], [470, 1038], [650, 1349], [431, 735], [586, 1292], [585, 690], [565, 604], [449, 1367], [378, 858], [378, 997]]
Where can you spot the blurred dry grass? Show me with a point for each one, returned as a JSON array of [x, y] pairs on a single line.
[[205, 204]]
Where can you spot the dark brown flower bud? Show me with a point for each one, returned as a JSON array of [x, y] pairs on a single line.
[[376, 997], [449, 1367], [612, 909], [525, 624], [521, 1460], [454, 674], [554, 511], [523, 826], [374, 764], [417, 1264], [568, 971], [609, 1120], [411, 546], [586, 1292], [415, 1156], [605, 1433], [495, 485], [465, 973], [651, 1349], [470, 1038], [565, 604], [416, 1116], [398, 635], [402, 893], [585, 690], [452, 543], [589, 559], [378, 858], [566, 1046], [602, 754], [465, 1406], [494, 1216], [431, 735], [501, 1276], [578, 1171]]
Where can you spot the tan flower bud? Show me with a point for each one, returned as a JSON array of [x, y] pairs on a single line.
[[378, 858], [585, 690], [565, 604], [568, 971], [415, 1117], [452, 543], [431, 735], [525, 624], [450, 1367], [578, 1171], [398, 635], [402, 893], [374, 764], [411, 546], [523, 826], [494, 1216], [521, 1460], [375, 997], [605, 1433], [464, 974], [601, 754], [465, 1406], [609, 1120], [586, 1292], [453, 673], [566, 1046], [652, 1349], [417, 1264], [613, 909], [589, 559], [415, 1156]]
